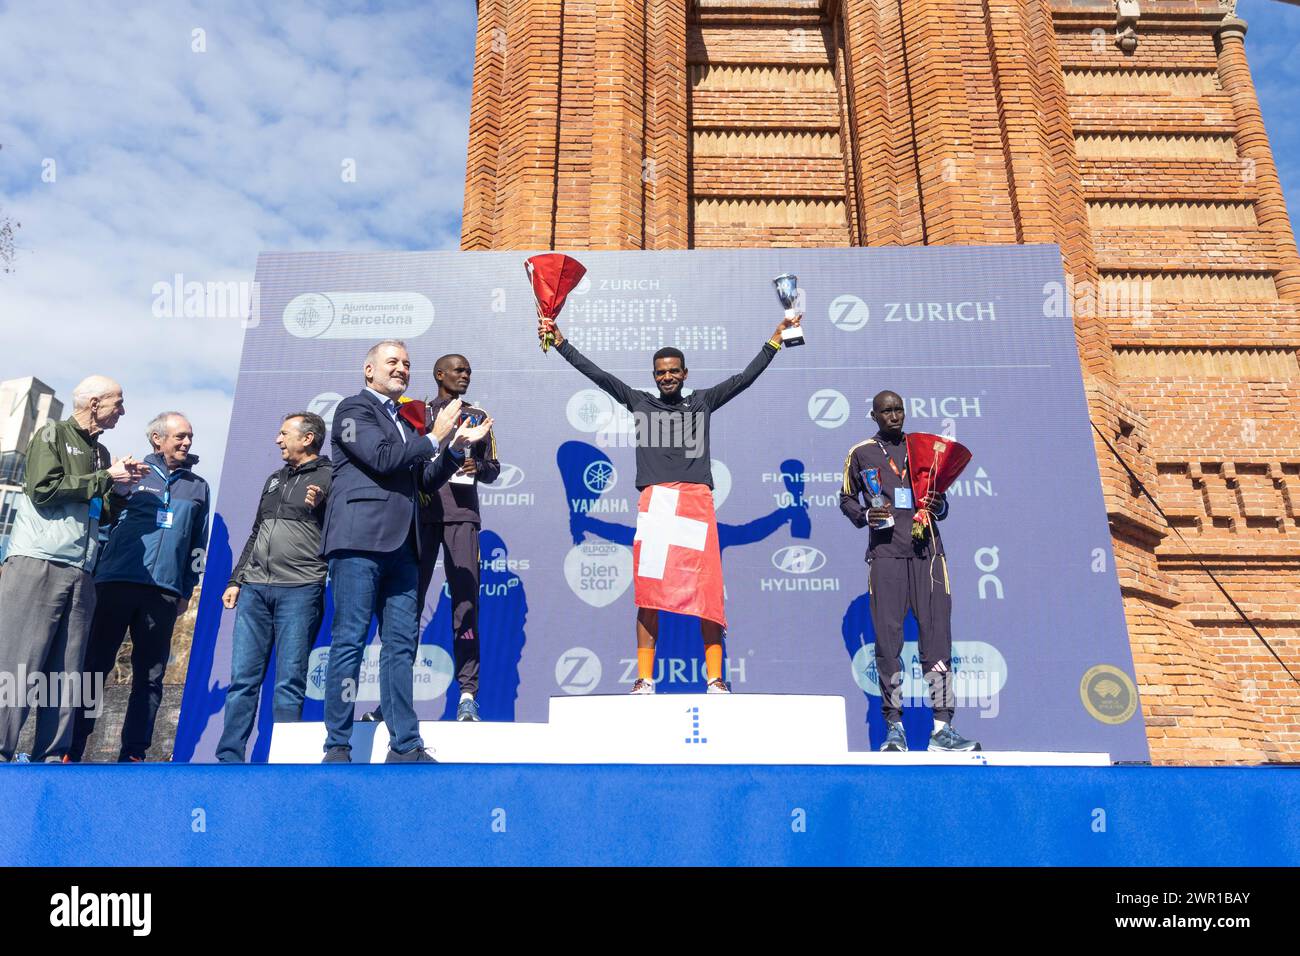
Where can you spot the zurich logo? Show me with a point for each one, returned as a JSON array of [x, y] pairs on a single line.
[[324, 405], [578, 671], [848, 313], [798, 559], [599, 477], [511, 476], [828, 408]]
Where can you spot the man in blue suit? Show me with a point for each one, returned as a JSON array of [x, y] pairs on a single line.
[[371, 538]]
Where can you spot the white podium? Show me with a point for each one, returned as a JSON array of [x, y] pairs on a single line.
[[656, 729]]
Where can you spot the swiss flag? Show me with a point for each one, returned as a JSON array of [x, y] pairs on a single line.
[[675, 555]]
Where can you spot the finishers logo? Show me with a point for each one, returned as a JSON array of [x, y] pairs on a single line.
[[798, 561], [577, 672], [598, 572], [1108, 694], [828, 408]]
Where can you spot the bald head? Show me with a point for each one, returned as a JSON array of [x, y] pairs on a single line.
[[97, 403]]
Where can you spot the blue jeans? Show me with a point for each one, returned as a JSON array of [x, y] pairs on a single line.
[[286, 617], [382, 584]]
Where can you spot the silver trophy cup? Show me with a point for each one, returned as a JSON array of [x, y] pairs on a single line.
[[792, 297]]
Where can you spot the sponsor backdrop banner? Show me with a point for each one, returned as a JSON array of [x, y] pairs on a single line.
[[979, 343]]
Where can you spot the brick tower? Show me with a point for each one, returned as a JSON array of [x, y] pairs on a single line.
[[1128, 133]]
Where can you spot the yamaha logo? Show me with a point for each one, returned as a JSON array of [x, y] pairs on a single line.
[[599, 477], [798, 559], [828, 408], [511, 477]]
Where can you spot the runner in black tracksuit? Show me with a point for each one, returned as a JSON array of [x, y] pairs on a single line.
[[450, 515], [905, 574]]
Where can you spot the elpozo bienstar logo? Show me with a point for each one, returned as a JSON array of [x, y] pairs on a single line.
[[598, 572], [358, 315], [1108, 694]]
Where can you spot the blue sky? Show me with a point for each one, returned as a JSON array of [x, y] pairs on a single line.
[[135, 148]]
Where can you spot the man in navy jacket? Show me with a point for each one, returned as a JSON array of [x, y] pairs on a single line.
[[143, 581], [371, 538]]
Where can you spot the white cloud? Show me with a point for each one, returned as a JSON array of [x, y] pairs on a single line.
[[172, 161]]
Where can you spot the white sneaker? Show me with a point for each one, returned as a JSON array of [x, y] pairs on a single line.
[[718, 686], [643, 686]]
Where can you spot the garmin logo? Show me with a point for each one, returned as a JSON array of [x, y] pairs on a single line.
[[798, 559], [357, 315], [940, 312], [75, 909]]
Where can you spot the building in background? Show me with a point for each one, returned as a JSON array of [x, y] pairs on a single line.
[[26, 404], [1128, 133]]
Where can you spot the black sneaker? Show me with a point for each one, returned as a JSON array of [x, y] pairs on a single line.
[[418, 755], [949, 740], [467, 710], [338, 755], [895, 740], [375, 716]]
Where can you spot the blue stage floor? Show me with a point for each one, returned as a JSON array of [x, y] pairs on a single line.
[[673, 815]]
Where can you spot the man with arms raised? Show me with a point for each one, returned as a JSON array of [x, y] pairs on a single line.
[[677, 563]]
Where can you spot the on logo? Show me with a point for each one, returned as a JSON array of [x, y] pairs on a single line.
[[324, 405], [511, 476], [599, 477], [828, 408], [848, 313], [577, 671], [798, 559]]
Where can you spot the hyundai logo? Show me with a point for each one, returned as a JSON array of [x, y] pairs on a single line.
[[798, 559], [511, 476]]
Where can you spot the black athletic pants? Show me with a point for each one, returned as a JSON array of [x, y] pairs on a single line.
[[150, 613], [920, 585], [458, 541]]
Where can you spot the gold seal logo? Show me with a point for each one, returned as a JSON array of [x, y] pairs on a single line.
[[1108, 694]]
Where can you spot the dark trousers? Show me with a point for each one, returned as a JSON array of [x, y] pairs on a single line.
[[382, 584], [458, 541], [268, 616], [919, 585], [150, 614]]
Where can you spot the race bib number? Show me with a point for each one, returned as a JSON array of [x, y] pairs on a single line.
[[903, 498], [166, 518]]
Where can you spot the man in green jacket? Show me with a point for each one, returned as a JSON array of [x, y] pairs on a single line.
[[47, 594]]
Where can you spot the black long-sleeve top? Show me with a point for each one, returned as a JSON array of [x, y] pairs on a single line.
[[672, 435], [896, 542]]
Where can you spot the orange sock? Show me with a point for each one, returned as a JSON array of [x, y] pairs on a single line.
[[713, 661], [645, 663]]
